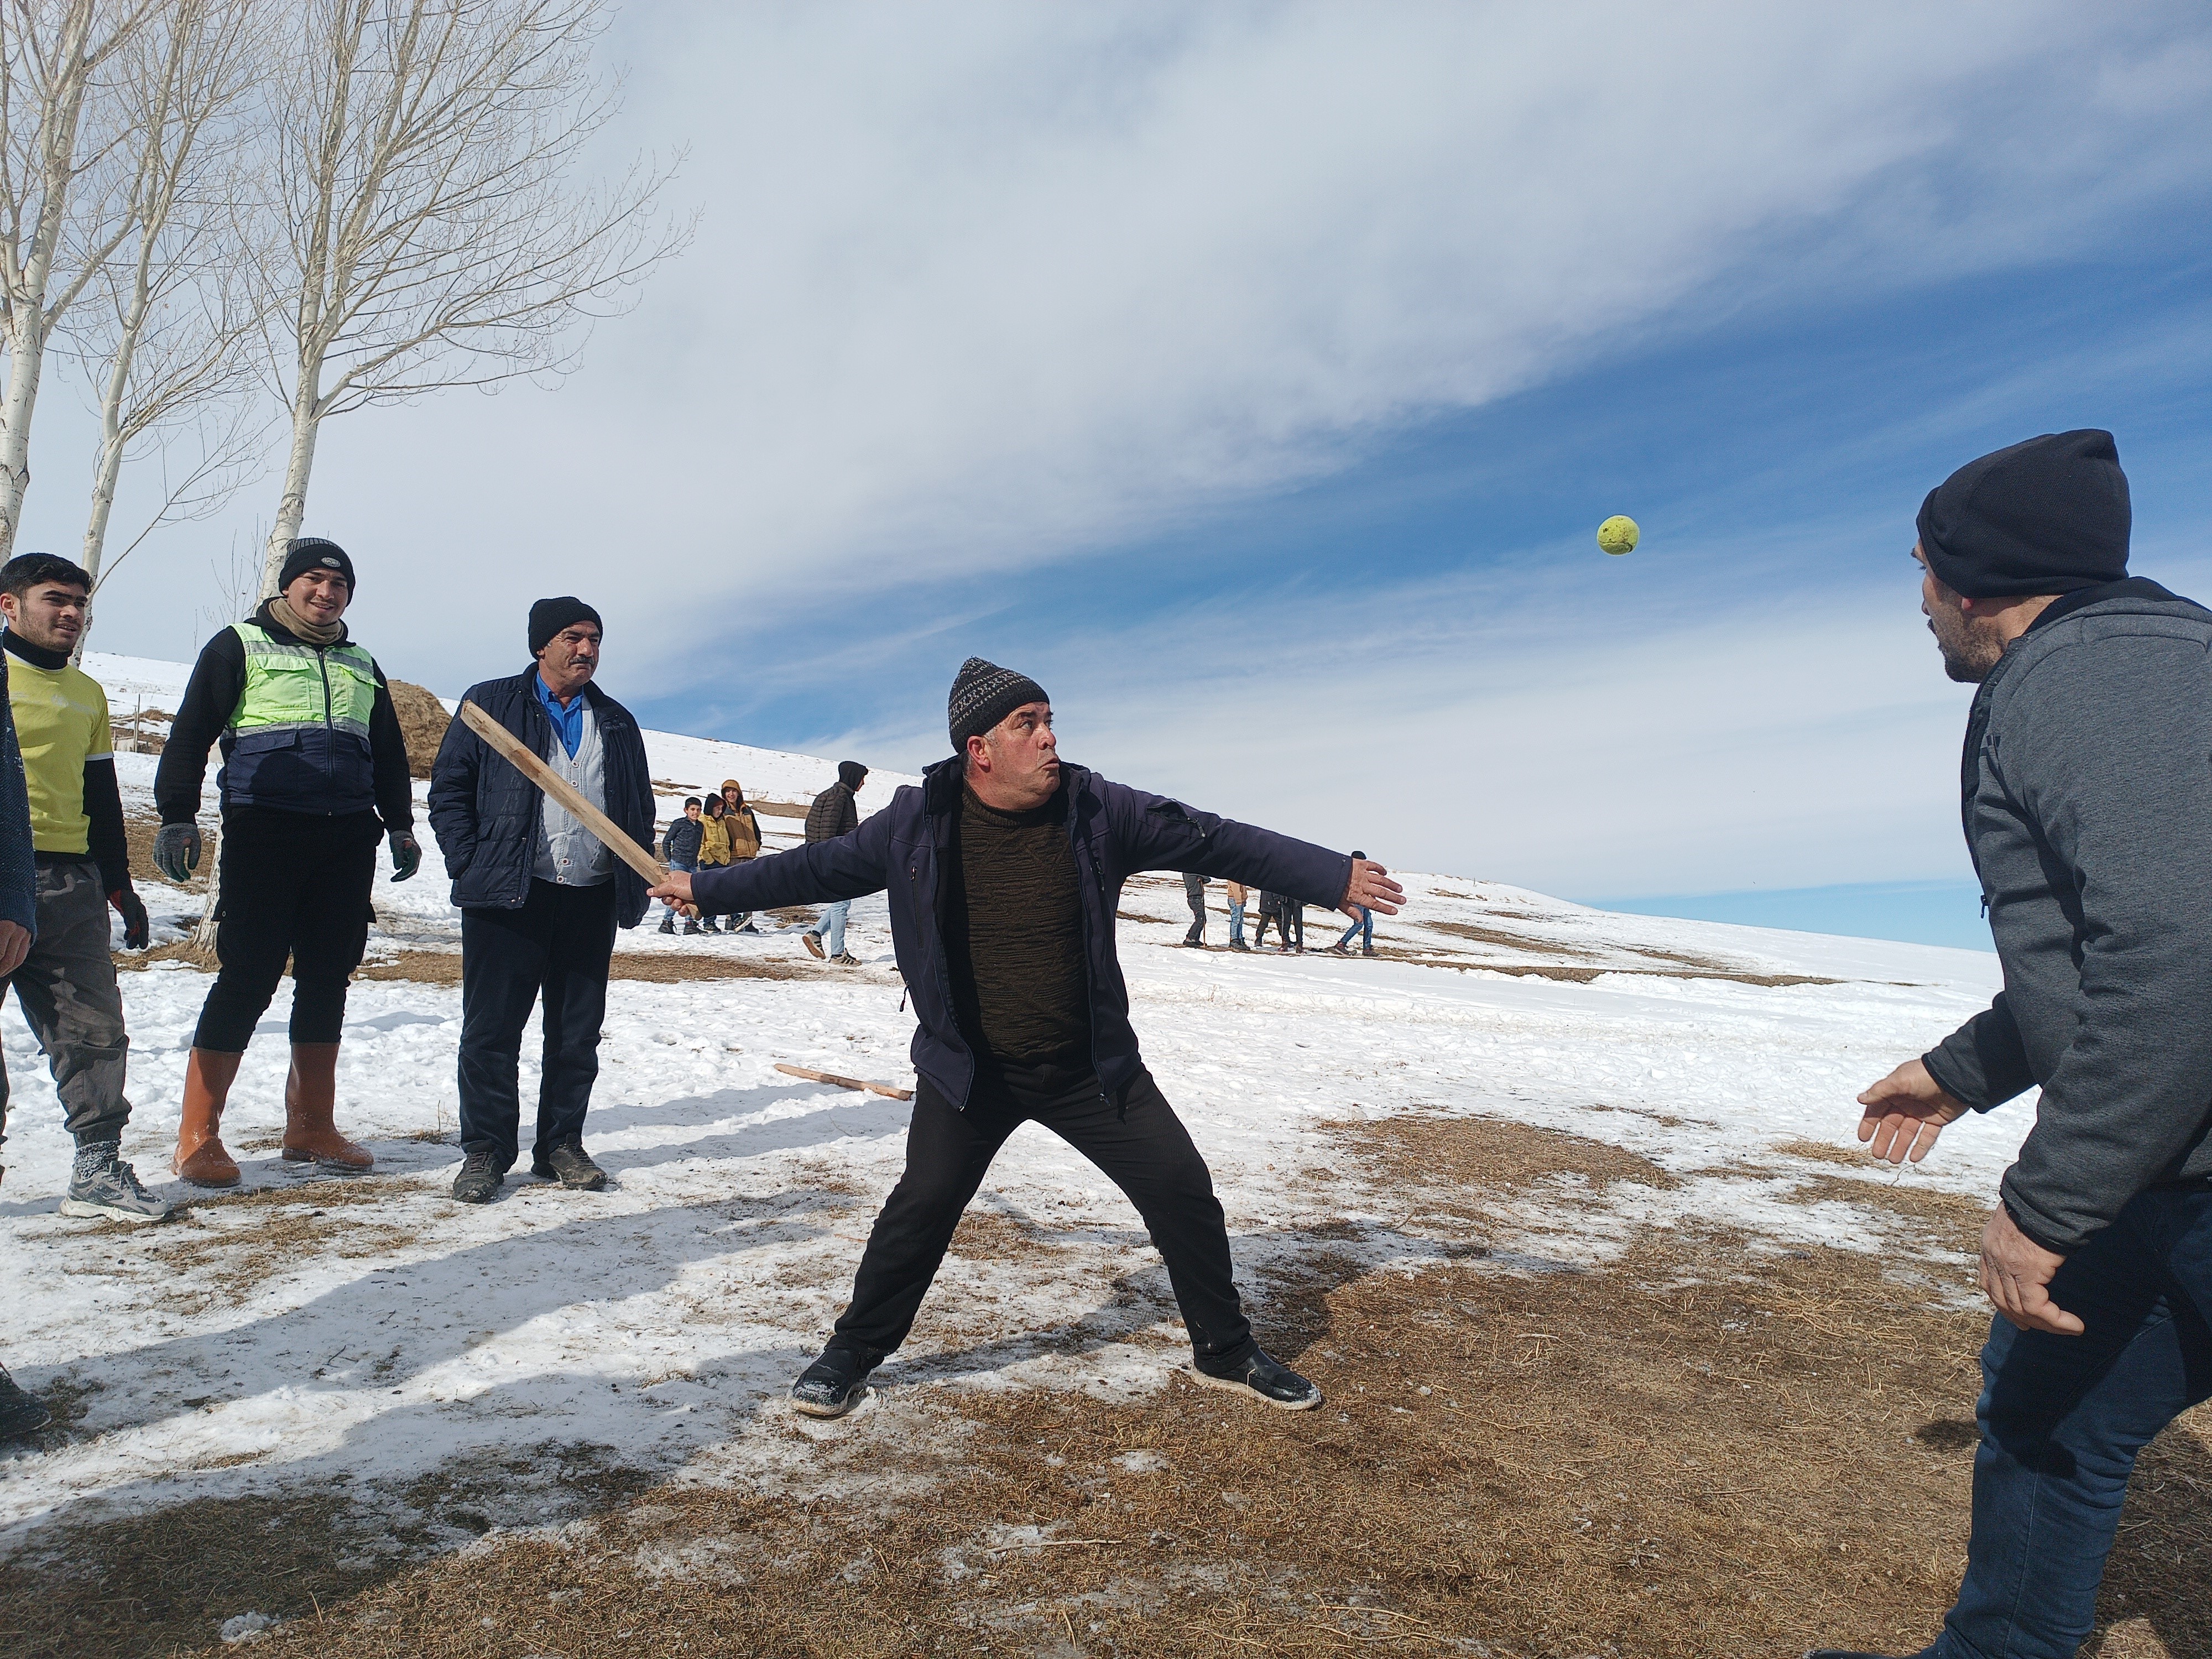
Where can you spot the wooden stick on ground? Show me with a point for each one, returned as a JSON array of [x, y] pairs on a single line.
[[884, 1089], [617, 842]]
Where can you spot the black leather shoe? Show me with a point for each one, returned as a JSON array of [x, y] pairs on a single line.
[[833, 1384], [478, 1182], [1266, 1379], [568, 1164]]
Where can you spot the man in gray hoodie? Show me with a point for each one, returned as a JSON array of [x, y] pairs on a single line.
[[2087, 785]]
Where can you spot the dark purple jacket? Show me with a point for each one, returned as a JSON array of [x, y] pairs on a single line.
[[1117, 832]]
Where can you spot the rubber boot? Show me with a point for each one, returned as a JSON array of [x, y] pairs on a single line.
[[310, 1098], [201, 1158]]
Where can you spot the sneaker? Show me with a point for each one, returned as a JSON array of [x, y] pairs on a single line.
[[690, 926], [668, 924], [22, 1412], [832, 1385], [812, 942], [1268, 1380], [1239, 945], [844, 959], [1339, 950], [478, 1182], [748, 927], [567, 1163], [1366, 950], [102, 1184]]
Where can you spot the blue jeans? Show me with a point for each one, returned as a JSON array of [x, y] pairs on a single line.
[[686, 864], [2062, 1417], [831, 928], [1365, 924], [1236, 923]]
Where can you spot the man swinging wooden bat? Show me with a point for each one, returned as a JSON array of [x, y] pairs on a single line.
[[540, 893], [1004, 871]]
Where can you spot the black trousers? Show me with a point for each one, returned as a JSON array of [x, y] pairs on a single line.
[[558, 943], [1293, 924], [1197, 934], [1137, 1141], [294, 887]]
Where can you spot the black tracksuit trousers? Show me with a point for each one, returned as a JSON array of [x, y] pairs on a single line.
[[558, 943], [295, 887], [1137, 1141]]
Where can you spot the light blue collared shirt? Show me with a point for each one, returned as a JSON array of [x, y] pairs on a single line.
[[568, 723]]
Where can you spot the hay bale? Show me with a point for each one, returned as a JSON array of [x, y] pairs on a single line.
[[423, 722]]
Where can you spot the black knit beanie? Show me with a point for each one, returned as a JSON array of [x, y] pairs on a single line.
[[983, 694], [852, 773], [2046, 516], [305, 553], [549, 616]]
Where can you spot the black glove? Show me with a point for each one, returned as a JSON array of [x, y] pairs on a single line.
[[177, 851], [406, 854], [137, 930]]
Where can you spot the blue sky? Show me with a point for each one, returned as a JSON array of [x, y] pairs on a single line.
[[1256, 376]]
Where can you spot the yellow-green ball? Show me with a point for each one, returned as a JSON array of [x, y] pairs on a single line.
[[1618, 534]]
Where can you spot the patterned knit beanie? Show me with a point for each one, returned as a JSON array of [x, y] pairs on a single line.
[[983, 694]]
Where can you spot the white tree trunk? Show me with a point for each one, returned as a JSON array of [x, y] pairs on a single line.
[[27, 351], [299, 465]]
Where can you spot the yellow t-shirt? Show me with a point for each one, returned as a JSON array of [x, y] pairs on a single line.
[[60, 721]]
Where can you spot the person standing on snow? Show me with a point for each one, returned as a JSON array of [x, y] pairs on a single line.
[[1005, 869], [679, 850], [540, 896], [22, 1412], [1239, 896], [1194, 892], [1362, 924], [834, 813], [2089, 811], [743, 829], [66, 985], [314, 775]]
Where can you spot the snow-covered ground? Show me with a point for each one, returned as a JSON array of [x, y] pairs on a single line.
[[372, 1331]]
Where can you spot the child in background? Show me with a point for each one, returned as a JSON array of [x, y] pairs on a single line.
[[679, 847]]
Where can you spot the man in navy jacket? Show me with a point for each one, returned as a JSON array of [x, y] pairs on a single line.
[[1004, 871], [539, 896]]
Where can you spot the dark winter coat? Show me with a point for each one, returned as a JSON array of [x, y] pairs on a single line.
[[681, 844], [834, 813], [2088, 801], [487, 816], [1117, 832]]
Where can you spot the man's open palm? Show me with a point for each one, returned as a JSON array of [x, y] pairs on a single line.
[[1371, 886], [1906, 1112]]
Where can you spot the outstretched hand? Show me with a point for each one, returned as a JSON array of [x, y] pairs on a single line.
[[1906, 1112], [1371, 888]]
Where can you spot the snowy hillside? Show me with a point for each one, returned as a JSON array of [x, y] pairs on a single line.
[[316, 1330]]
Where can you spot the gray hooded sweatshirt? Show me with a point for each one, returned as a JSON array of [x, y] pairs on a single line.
[[2088, 781]]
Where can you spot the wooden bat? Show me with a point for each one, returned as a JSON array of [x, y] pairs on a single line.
[[845, 1082], [617, 842]]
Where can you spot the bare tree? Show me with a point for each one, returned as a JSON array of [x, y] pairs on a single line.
[[163, 351], [60, 217], [431, 233]]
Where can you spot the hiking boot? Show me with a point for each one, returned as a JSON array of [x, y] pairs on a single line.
[[478, 1182], [567, 1163], [812, 942], [832, 1385], [747, 928], [668, 924], [1239, 945], [22, 1412], [844, 959], [1266, 1379], [690, 926], [101, 1183], [1366, 950]]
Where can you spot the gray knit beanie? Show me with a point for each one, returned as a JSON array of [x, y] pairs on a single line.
[[983, 694]]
